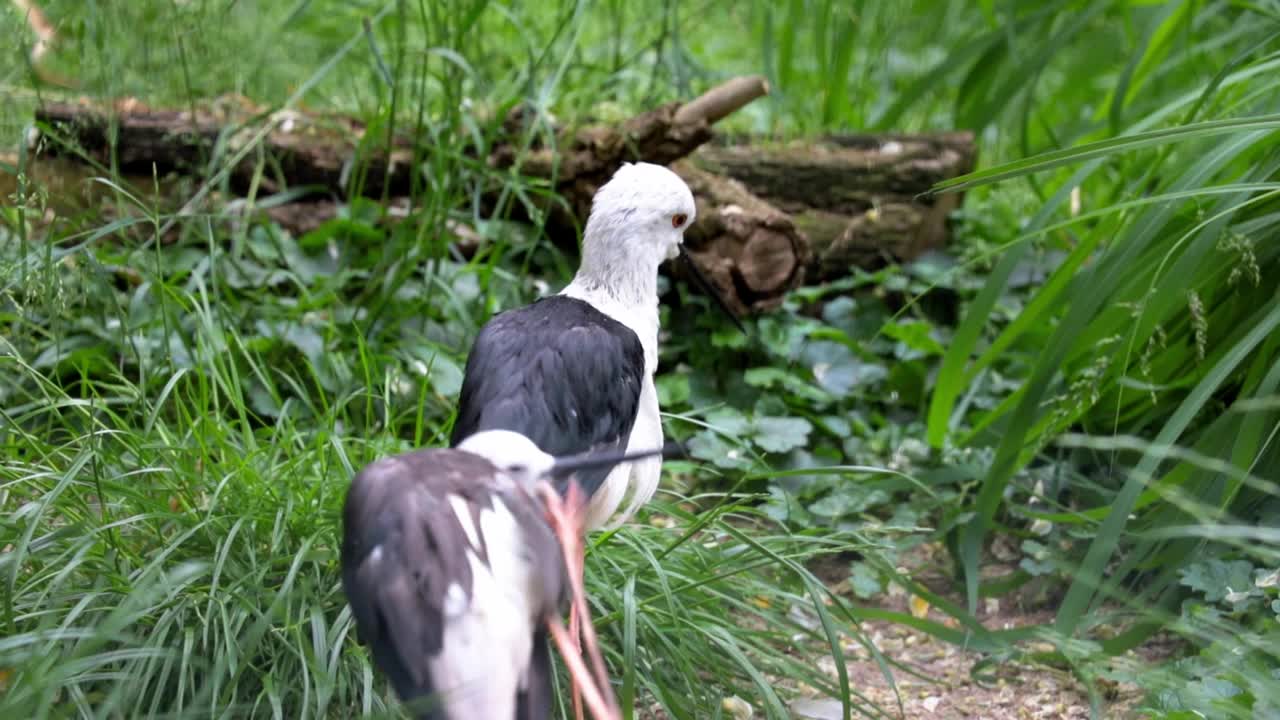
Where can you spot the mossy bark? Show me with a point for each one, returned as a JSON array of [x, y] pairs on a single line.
[[859, 199]]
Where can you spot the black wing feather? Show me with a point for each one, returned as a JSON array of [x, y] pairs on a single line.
[[558, 371]]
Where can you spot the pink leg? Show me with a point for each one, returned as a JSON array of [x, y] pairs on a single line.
[[579, 675], [567, 520], [575, 634]]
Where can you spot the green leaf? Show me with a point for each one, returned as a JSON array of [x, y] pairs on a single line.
[[1215, 578], [763, 685], [767, 405], [262, 401], [916, 335], [443, 372], [847, 499], [308, 267], [709, 446], [1037, 567], [938, 76], [838, 370], [1177, 16], [1087, 580], [302, 337], [858, 319], [728, 337], [673, 389], [783, 336], [843, 44], [1209, 691], [446, 375], [837, 426], [780, 434], [864, 580], [728, 421], [777, 378], [953, 375], [783, 507]]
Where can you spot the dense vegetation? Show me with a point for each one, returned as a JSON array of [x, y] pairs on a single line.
[[1090, 376]]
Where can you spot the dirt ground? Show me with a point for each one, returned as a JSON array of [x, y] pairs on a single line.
[[946, 688]]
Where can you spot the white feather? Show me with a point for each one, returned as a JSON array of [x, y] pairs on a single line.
[[632, 228], [463, 512], [635, 481], [455, 601], [487, 646]]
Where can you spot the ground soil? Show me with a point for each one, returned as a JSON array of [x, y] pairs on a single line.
[[945, 687]]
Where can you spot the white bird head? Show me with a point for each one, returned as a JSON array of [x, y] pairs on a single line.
[[512, 453], [637, 220], [520, 459], [652, 203]]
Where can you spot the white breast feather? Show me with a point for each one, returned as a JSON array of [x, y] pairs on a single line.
[[638, 479], [486, 649]]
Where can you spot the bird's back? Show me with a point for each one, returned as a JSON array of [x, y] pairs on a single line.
[[449, 579], [558, 371]]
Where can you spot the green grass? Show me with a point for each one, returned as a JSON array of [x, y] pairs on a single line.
[[176, 495], [184, 398]]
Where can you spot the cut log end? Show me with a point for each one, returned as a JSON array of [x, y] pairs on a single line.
[[769, 262], [748, 248]]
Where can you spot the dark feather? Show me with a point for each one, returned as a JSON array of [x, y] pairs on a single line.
[[558, 371], [399, 507]]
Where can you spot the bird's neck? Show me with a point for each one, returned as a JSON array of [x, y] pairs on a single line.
[[619, 276], [622, 269]]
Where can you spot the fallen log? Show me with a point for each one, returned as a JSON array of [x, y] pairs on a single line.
[[856, 197], [332, 153], [336, 153], [770, 216], [299, 148]]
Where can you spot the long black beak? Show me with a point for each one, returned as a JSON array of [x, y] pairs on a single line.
[[706, 286], [570, 464]]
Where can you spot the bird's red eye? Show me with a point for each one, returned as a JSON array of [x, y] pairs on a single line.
[[678, 219]]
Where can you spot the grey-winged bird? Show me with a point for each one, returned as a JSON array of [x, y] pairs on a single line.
[[452, 562]]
